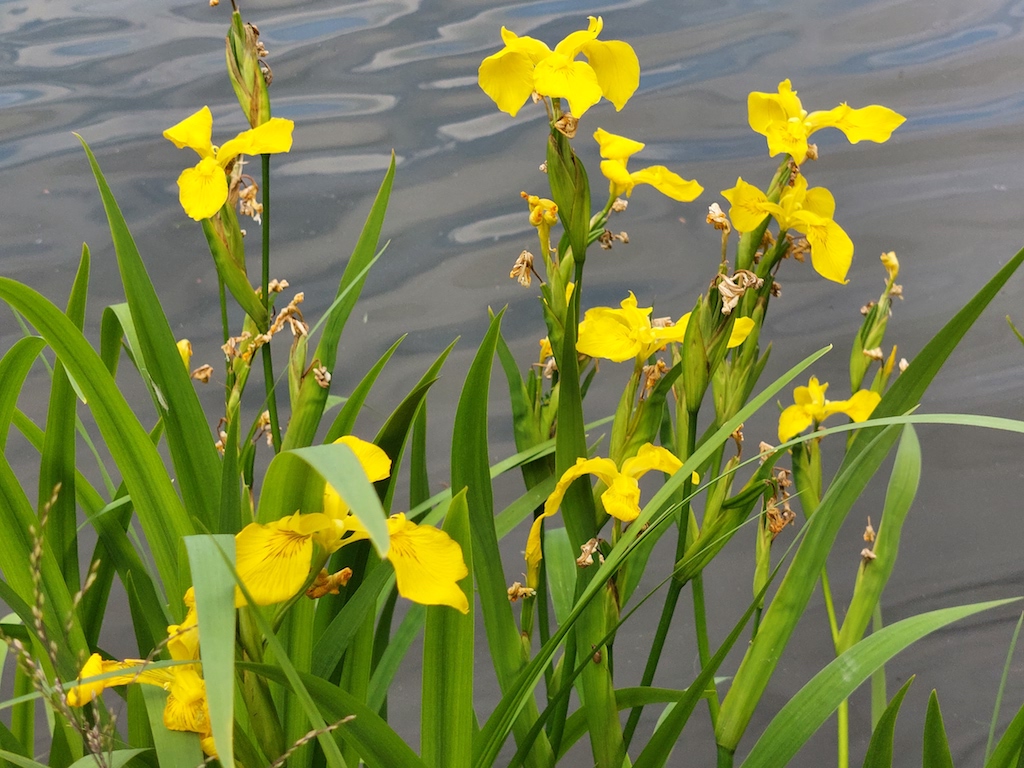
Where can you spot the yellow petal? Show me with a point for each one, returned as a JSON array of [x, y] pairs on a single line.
[[573, 43], [183, 639], [748, 206], [615, 147], [858, 407], [428, 564], [376, 464], [617, 69], [873, 123], [831, 247], [186, 708], [668, 183], [820, 202], [740, 330], [622, 499], [651, 457], [271, 137], [792, 421], [135, 671], [764, 109], [202, 190], [194, 132], [788, 138], [507, 76], [273, 560], [575, 81], [607, 333], [621, 183], [185, 350]]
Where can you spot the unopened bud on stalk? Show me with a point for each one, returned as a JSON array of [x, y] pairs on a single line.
[[246, 71]]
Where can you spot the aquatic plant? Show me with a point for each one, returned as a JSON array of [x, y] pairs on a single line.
[[263, 590]]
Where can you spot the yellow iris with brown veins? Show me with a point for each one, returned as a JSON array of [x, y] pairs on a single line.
[[274, 560], [526, 66], [203, 189], [811, 408], [616, 151], [781, 118], [809, 211], [628, 334]]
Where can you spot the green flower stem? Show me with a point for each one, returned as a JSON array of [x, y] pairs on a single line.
[[268, 365], [700, 621], [685, 523]]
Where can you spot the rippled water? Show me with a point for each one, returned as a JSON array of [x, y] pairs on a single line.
[[363, 78]]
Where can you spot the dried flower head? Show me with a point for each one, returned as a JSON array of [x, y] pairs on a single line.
[[518, 592], [567, 125], [651, 376], [903, 364], [588, 550], [733, 288], [620, 204], [869, 532], [328, 583], [873, 354], [867, 555], [203, 373], [322, 376], [716, 217], [523, 270]]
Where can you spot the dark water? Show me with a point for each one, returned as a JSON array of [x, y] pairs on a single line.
[[362, 78]]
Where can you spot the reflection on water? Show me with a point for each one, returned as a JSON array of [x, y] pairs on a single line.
[[363, 78]]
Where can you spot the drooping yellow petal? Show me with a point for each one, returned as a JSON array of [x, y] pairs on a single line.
[[617, 68], [271, 137], [273, 560], [605, 469], [831, 247], [820, 202], [748, 206], [202, 190], [792, 421], [620, 182], [428, 564], [741, 328], [194, 132], [873, 123], [615, 147], [183, 639], [135, 671], [185, 350], [607, 333], [668, 183], [575, 81], [376, 464]]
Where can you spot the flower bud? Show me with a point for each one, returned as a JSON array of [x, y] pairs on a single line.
[[246, 71]]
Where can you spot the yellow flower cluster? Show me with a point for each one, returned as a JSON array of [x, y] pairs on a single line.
[[811, 408], [526, 66]]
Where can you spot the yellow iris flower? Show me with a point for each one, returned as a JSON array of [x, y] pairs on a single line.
[[273, 560], [781, 118], [616, 151], [186, 708], [203, 189], [621, 500], [627, 334], [811, 407], [806, 210], [526, 66]]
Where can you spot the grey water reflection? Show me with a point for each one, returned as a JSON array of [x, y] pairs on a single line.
[[363, 78]]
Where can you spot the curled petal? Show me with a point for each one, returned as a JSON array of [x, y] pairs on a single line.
[[428, 564], [620, 182], [821, 202], [607, 334], [617, 69], [573, 43], [135, 671], [668, 183], [186, 708], [615, 147], [202, 190], [194, 132], [873, 123], [622, 498], [764, 109], [376, 464], [651, 457]]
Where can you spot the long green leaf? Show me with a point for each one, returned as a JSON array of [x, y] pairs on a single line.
[[374, 740], [880, 749], [115, 759], [160, 510], [874, 573], [446, 722], [345, 421], [1002, 687], [215, 606], [196, 463], [1009, 747], [14, 367], [57, 459], [174, 749], [815, 702], [936, 746]]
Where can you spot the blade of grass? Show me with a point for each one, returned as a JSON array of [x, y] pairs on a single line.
[[880, 748], [1002, 688], [936, 746]]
